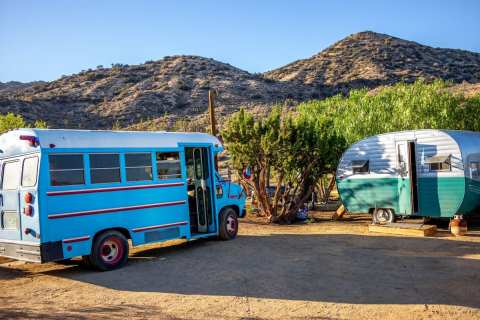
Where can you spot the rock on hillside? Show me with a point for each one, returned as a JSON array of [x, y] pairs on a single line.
[[369, 59], [8, 87], [129, 94]]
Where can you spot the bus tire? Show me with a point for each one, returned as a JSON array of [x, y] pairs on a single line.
[[109, 251], [228, 224], [383, 216], [86, 262]]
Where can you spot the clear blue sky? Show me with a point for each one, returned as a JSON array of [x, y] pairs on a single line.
[[41, 40]]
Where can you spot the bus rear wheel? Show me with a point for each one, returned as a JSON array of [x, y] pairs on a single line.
[[228, 224], [109, 251], [383, 216]]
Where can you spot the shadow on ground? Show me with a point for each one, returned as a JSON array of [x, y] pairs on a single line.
[[340, 268]]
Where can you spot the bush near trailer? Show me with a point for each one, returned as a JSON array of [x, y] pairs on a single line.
[[399, 107], [296, 148]]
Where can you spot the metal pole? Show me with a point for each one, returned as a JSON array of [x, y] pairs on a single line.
[[211, 111]]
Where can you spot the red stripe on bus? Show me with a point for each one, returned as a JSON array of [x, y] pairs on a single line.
[[145, 186], [76, 239], [160, 226], [109, 210]]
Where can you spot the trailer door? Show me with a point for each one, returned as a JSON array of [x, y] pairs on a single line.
[[404, 203], [10, 200], [407, 177]]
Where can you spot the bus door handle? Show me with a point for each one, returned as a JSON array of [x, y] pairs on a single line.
[[1, 200]]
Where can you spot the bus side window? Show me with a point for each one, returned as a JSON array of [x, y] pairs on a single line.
[[29, 172], [104, 167], [138, 166], [66, 169], [168, 165], [11, 175]]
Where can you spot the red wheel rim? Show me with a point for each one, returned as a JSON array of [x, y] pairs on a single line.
[[112, 250]]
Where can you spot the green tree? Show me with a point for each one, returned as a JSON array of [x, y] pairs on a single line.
[[297, 148], [11, 121], [400, 107]]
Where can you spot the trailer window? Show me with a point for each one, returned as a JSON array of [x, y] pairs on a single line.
[[360, 166], [66, 169], [138, 166], [439, 163], [29, 172], [475, 170], [11, 175], [104, 167], [168, 165]]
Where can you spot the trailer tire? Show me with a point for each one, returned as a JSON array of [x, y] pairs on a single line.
[[383, 216], [109, 251], [228, 224]]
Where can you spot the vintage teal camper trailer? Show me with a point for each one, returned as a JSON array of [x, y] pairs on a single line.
[[431, 173]]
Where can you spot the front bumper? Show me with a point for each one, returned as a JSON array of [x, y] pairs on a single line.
[[30, 251]]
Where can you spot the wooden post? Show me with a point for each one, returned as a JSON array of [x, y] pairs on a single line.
[[211, 111]]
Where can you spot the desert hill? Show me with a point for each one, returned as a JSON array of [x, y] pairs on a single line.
[[177, 86]]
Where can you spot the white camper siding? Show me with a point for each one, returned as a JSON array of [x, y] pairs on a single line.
[[382, 155], [378, 150], [431, 143]]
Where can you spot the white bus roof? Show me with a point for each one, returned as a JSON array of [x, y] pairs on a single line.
[[11, 143]]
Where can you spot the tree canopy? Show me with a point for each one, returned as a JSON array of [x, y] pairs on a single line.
[[399, 107], [12, 121], [297, 148]]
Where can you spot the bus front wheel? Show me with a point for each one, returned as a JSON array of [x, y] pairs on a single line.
[[109, 251], [228, 224]]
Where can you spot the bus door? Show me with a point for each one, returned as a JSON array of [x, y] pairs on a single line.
[[199, 187], [10, 200]]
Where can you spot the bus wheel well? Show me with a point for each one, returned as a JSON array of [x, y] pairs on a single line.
[[119, 229], [234, 207]]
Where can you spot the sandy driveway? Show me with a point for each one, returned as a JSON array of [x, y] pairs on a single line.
[[327, 270]]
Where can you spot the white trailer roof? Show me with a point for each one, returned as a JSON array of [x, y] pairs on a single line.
[[10, 142]]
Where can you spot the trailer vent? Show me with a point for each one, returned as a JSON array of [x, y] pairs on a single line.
[[170, 233]]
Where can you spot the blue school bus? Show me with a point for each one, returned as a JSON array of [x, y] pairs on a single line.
[[70, 193]]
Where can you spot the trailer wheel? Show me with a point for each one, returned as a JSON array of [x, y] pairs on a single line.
[[109, 251], [383, 216], [228, 224]]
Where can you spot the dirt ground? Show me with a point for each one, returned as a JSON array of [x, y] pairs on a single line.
[[320, 270]]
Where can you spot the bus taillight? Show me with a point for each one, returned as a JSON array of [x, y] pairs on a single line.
[[28, 197], [28, 210], [32, 140]]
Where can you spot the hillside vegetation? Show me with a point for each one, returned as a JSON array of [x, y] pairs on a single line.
[[157, 93]]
